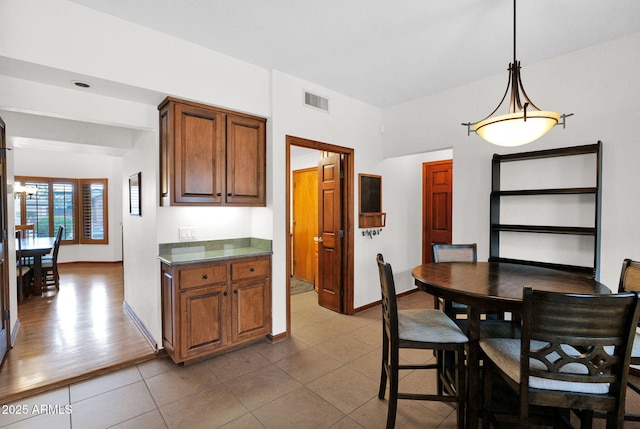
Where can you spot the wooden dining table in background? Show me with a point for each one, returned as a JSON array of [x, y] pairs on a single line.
[[36, 248], [492, 286]]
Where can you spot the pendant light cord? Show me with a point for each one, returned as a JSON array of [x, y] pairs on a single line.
[[514, 32]]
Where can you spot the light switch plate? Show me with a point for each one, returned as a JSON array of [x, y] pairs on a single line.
[[187, 233]]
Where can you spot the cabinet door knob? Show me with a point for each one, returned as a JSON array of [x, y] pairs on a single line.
[[225, 293], [230, 194], [252, 269], [235, 291], [206, 276], [219, 194]]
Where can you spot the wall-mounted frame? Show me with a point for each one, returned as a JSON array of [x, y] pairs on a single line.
[[371, 214], [135, 197]]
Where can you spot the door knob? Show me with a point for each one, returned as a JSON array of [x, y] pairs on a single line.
[[317, 239]]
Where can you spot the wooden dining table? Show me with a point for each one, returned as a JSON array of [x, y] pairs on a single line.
[[492, 286], [36, 248]]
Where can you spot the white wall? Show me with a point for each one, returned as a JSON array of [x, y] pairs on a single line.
[[598, 84], [350, 124], [140, 247]]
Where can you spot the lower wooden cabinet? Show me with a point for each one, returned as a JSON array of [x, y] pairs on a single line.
[[208, 308]]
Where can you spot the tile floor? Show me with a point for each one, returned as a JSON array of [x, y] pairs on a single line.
[[325, 376]]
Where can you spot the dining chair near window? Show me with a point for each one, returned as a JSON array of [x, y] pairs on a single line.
[[50, 275], [428, 329], [28, 230], [574, 353], [630, 282], [23, 271]]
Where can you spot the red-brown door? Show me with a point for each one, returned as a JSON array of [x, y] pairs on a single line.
[[330, 230], [437, 178]]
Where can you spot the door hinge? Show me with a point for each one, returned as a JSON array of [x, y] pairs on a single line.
[[342, 233], [342, 174], [341, 292], [7, 314]]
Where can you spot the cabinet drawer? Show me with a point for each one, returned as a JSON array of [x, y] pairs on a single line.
[[204, 275], [247, 269]]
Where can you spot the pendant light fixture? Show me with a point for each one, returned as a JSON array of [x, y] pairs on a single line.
[[525, 122]]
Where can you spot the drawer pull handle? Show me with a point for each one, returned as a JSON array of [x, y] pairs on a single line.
[[219, 194], [252, 269], [205, 276]]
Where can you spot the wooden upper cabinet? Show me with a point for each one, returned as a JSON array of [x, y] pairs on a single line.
[[246, 160], [210, 156]]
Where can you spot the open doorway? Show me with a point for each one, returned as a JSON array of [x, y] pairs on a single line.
[[335, 226]]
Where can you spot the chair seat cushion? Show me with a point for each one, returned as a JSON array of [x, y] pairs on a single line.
[[429, 326], [505, 354]]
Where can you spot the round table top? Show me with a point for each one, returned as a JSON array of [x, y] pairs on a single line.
[[497, 285]]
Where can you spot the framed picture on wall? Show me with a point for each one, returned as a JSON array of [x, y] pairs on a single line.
[[135, 203]]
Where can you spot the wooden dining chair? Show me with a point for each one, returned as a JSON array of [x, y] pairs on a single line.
[[454, 253], [574, 354], [50, 275], [28, 230], [630, 282], [428, 329], [23, 271]]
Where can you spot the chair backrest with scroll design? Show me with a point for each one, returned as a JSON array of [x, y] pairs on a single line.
[[576, 349]]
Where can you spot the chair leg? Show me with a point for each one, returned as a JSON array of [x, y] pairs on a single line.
[[384, 366], [393, 388], [461, 389], [586, 419], [486, 399]]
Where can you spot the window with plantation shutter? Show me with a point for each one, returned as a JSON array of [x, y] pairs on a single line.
[[78, 204], [93, 196]]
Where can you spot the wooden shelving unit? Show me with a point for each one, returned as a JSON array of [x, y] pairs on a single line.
[[499, 193]]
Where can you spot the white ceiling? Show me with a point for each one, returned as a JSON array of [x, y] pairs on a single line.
[[384, 52]]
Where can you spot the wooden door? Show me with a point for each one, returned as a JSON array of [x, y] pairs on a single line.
[[437, 207], [5, 325], [246, 161], [305, 223], [330, 230], [199, 155]]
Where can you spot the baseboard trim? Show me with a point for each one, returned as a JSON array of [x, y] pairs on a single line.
[[14, 332], [373, 304], [278, 337], [140, 326]]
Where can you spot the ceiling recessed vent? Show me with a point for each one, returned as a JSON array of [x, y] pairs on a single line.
[[316, 102]]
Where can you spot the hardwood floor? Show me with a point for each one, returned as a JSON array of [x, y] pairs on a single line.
[[80, 331]]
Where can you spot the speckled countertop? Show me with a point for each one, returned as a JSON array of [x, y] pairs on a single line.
[[212, 250]]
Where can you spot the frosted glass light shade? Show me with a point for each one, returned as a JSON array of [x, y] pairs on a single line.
[[512, 130]]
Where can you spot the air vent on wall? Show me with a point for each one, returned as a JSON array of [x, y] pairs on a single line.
[[316, 101]]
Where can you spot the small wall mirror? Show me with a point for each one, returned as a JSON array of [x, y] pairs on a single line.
[[371, 214]]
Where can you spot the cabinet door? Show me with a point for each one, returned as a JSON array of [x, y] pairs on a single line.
[[246, 175], [250, 308], [199, 153], [203, 320]]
